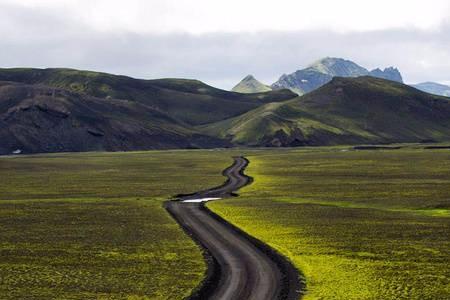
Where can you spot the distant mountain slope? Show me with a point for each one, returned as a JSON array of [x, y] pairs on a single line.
[[189, 101], [42, 119], [250, 85], [321, 72], [433, 88], [338, 67], [344, 111]]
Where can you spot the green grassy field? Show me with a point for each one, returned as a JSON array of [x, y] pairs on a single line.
[[358, 224], [92, 226]]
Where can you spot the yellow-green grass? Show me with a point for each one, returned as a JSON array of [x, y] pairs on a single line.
[[92, 226], [358, 224]]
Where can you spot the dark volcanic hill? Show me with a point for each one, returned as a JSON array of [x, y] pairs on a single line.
[[344, 111], [189, 101], [43, 119]]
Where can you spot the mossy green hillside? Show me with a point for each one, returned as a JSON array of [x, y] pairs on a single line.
[[344, 111]]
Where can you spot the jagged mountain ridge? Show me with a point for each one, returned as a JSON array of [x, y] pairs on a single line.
[[389, 73], [321, 72]]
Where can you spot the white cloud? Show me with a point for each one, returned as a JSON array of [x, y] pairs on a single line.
[[203, 16]]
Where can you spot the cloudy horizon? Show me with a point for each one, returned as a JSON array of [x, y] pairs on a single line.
[[220, 42]]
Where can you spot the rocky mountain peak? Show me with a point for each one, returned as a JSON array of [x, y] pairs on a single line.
[[389, 73], [322, 71], [249, 78], [250, 85]]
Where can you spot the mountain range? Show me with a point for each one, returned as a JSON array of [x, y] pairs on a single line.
[[322, 71], [56, 110], [314, 76]]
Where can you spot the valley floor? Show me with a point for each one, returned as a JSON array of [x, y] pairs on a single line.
[[368, 224]]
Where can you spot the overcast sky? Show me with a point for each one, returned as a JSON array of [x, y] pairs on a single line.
[[221, 41]]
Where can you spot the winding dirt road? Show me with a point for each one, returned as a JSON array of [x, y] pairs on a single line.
[[240, 267]]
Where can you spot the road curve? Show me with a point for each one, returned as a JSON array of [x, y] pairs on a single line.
[[239, 266]]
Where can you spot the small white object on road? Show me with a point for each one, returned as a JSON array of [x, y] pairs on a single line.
[[200, 200]]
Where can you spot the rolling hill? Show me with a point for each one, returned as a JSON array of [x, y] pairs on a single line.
[[35, 119], [343, 111], [55, 110], [189, 101]]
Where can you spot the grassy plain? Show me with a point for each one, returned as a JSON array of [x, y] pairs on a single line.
[[358, 224], [92, 226]]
